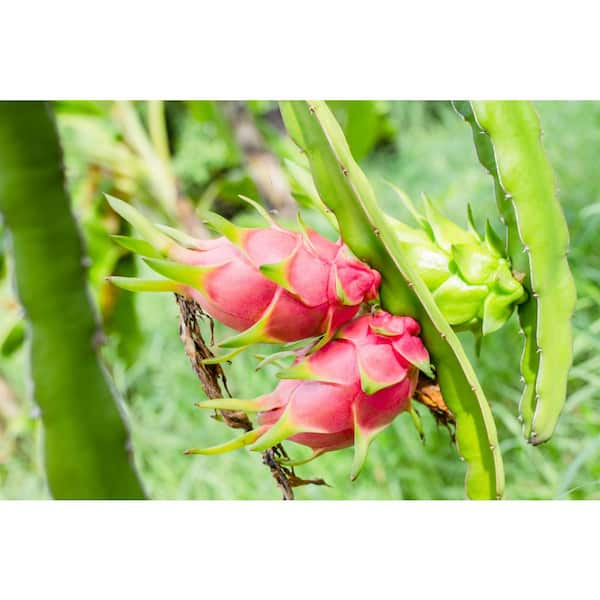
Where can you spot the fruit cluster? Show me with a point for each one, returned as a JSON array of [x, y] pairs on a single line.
[[356, 373]]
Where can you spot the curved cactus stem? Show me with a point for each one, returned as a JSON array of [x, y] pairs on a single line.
[[365, 229], [136, 246], [134, 284], [485, 154], [87, 447], [301, 461], [192, 275], [514, 249], [217, 360], [525, 176], [530, 365], [243, 440]]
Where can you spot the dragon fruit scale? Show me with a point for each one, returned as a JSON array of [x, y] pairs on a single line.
[[343, 394], [271, 284]]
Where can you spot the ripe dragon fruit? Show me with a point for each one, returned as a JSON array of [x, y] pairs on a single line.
[[469, 277], [272, 284], [344, 393]]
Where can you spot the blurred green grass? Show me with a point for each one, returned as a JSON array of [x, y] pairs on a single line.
[[434, 154]]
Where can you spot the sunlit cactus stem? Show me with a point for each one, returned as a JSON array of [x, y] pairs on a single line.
[[529, 199]]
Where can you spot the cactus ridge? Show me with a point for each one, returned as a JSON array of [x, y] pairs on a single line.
[[508, 140]]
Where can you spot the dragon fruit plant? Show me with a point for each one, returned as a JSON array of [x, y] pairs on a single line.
[[276, 285], [343, 394]]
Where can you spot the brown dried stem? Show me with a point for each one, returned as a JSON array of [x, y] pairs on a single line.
[[213, 378]]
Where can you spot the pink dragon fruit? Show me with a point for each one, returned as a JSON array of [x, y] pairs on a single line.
[[344, 393], [272, 284]]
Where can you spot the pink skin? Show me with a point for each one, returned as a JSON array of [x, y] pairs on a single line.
[[380, 409], [325, 442], [402, 332], [327, 407], [238, 294]]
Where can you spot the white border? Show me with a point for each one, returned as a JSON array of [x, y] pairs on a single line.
[[313, 48], [374, 550]]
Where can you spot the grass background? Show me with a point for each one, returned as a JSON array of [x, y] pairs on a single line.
[[431, 152]]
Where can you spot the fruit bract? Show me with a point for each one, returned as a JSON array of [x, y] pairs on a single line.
[[344, 393], [272, 284]]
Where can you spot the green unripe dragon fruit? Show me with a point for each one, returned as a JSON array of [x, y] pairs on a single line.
[[469, 277]]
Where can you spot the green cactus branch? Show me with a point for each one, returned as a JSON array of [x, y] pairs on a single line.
[[509, 145], [86, 442], [514, 250], [345, 190]]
